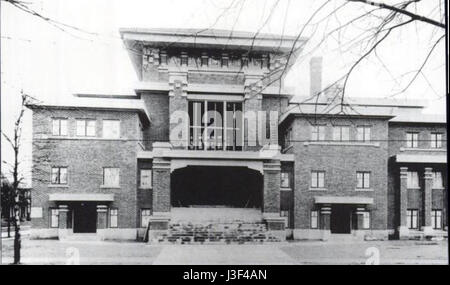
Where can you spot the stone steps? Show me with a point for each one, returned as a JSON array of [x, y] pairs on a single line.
[[216, 233]]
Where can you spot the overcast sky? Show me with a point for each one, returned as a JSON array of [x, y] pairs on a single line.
[[50, 64]]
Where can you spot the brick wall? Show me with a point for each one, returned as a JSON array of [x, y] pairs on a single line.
[[158, 106]]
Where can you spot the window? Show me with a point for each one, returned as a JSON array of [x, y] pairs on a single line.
[[366, 220], [363, 180], [318, 133], [111, 177], [284, 213], [59, 175], [86, 128], [412, 218], [363, 133], [412, 179], [204, 59], [54, 218], [146, 178], [436, 140], [341, 133], [314, 219], [285, 180], [288, 138], [437, 180], [436, 219], [59, 127], [225, 60], [317, 179], [145, 217], [113, 214], [184, 58], [111, 129], [412, 140]]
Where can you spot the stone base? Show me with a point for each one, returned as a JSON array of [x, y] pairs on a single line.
[[311, 234], [427, 231], [403, 232], [43, 233], [117, 234]]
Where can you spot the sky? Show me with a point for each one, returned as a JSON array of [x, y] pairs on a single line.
[[51, 64]]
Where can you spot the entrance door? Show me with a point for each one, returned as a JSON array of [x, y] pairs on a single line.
[[85, 218], [340, 219]]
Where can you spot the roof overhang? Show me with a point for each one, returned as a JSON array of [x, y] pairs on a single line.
[[66, 197], [420, 158], [342, 200]]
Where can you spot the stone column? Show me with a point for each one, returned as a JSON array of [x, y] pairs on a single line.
[[63, 229], [403, 230], [271, 204], [252, 107], [427, 190], [102, 217]]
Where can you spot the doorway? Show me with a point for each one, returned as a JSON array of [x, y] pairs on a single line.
[[340, 222], [84, 217]]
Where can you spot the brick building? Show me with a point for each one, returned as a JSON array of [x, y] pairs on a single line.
[[213, 135]]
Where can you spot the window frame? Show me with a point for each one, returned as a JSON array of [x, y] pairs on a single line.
[[314, 216], [361, 136], [110, 220], [436, 140], [410, 214], [366, 177], [435, 217], [104, 180], [317, 174], [367, 223], [51, 215], [58, 168], [318, 133], [338, 133], [288, 178], [413, 141], [151, 178], [85, 127], [60, 128]]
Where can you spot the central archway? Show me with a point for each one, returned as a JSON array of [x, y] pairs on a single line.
[[219, 186]]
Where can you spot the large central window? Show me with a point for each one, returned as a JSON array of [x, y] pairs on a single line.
[[215, 125]]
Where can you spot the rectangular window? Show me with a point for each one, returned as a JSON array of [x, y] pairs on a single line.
[[341, 133], [366, 220], [317, 179], [437, 180], [436, 140], [412, 216], [111, 177], [146, 178], [59, 127], [184, 58], [412, 140], [204, 59], [86, 128], [225, 60], [54, 218], [363, 180], [436, 219], [59, 175], [314, 219], [111, 129], [113, 217], [318, 133], [363, 133], [285, 180], [145, 217], [412, 180]]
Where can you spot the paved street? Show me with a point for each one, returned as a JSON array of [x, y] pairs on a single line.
[[390, 252]]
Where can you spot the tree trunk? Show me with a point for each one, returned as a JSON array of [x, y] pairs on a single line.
[[9, 226], [17, 240]]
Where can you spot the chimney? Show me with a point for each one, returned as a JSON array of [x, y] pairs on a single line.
[[315, 74]]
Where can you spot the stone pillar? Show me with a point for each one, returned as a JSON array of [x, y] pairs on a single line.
[[102, 217], [63, 229], [403, 230], [427, 192], [271, 205]]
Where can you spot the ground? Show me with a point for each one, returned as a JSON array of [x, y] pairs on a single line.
[[94, 252]]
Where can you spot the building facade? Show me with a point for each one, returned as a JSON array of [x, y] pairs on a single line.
[[212, 126]]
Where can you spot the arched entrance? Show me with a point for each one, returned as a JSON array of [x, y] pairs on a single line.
[[220, 186]]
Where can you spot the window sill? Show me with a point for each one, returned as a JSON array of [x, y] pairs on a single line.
[[413, 188], [423, 149], [339, 143], [364, 189], [145, 188], [109, 187], [317, 189], [285, 189], [438, 188], [58, 186]]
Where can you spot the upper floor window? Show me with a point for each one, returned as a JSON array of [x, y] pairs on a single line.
[[59, 127], [363, 133], [111, 177], [363, 180], [438, 183], [86, 128], [59, 175], [341, 133], [412, 140], [412, 179], [436, 140], [146, 178], [317, 133], [317, 179], [285, 180], [288, 138], [111, 129]]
